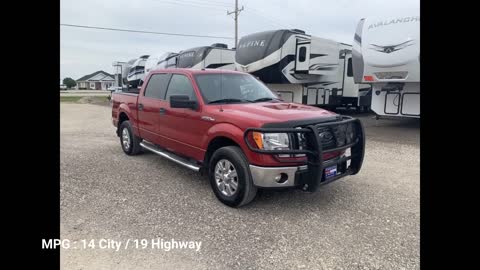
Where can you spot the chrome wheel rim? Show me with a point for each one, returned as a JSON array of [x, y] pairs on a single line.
[[226, 177], [125, 139]]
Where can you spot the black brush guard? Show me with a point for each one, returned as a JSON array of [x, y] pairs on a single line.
[[313, 177]]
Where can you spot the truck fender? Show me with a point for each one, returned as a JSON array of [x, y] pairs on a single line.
[[123, 108], [228, 131]]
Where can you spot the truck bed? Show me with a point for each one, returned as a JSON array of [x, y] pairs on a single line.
[[131, 91], [127, 98]]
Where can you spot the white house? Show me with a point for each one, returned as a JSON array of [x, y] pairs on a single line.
[[99, 80]]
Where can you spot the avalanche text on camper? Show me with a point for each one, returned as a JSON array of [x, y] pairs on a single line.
[[399, 20]]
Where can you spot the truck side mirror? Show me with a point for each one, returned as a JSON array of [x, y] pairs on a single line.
[[182, 101]]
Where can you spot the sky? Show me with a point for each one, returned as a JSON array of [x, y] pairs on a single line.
[[84, 51]]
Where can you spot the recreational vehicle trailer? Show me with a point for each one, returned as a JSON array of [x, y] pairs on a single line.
[[386, 54], [344, 92], [353, 94], [161, 61], [302, 68], [167, 60], [215, 56], [152, 62], [137, 71]]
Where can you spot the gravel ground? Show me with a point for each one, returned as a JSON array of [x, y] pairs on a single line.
[[367, 221]]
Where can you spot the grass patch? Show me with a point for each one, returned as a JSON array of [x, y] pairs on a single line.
[[69, 99], [92, 99]]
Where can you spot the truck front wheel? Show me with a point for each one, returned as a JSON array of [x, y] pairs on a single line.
[[130, 143], [230, 178]]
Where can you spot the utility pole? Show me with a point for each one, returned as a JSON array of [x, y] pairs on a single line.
[[236, 12]]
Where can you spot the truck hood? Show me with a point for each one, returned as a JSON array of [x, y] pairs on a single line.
[[258, 114]]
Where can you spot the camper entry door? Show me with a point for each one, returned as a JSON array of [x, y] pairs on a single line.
[[302, 57]]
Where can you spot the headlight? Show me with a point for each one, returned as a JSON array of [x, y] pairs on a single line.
[[272, 141]]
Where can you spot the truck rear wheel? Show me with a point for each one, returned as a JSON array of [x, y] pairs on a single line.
[[230, 178], [130, 143]]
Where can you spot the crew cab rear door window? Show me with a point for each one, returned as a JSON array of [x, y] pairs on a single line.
[[180, 85], [157, 86]]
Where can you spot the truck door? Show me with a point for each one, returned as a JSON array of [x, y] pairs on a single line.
[[149, 103], [183, 129], [302, 56]]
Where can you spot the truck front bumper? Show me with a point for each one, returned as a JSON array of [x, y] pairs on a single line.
[[296, 176], [316, 171], [271, 177]]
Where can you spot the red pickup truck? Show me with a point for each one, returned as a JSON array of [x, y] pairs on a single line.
[[230, 126]]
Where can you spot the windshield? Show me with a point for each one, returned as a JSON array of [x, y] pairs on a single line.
[[232, 88]]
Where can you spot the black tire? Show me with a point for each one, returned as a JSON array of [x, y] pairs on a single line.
[[246, 191], [134, 146]]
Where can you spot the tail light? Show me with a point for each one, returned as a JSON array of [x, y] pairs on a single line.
[[368, 78]]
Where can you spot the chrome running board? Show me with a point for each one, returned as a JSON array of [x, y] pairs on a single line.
[[168, 155]]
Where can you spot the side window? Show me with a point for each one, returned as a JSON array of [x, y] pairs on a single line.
[[185, 59], [350, 68], [302, 54], [180, 85], [172, 62], [157, 86]]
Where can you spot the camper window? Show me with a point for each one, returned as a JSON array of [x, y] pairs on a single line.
[[302, 54], [185, 60], [172, 62], [349, 68]]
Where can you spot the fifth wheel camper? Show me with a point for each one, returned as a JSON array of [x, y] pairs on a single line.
[[386, 54], [302, 68]]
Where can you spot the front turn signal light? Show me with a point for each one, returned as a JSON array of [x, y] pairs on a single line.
[[257, 137]]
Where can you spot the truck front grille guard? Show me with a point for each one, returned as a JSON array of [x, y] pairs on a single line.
[[313, 178]]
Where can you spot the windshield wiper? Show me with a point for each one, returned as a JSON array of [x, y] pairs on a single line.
[[228, 100], [265, 99]]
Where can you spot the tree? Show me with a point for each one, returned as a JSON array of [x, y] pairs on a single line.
[[69, 82]]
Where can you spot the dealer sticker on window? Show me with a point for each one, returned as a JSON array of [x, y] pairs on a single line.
[[330, 172]]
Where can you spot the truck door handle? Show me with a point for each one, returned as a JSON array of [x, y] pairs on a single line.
[[162, 111], [140, 107]]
